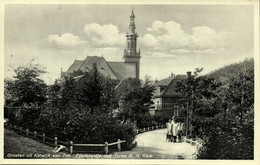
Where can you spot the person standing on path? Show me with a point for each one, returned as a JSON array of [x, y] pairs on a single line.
[[174, 129]]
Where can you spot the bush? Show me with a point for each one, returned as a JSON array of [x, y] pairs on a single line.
[[23, 117], [78, 112], [228, 140], [81, 126]]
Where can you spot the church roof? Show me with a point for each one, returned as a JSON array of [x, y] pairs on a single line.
[[123, 70], [114, 70], [102, 66], [75, 66]]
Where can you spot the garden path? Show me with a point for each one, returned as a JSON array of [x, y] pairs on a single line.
[[153, 144]]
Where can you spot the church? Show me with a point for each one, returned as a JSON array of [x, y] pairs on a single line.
[[117, 71]]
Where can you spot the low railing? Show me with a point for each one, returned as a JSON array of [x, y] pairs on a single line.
[[141, 130], [192, 142], [55, 142]]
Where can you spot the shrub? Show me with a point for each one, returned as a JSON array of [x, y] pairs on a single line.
[[23, 117], [228, 140], [82, 126]]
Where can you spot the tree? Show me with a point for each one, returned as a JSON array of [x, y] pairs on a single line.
[[83, 112], [198, 94], [236, 94], [136, 100], [54, 93], [98, 93], [230, 134], [27, 89]]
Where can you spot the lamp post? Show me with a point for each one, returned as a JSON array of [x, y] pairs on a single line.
[[187, 120]]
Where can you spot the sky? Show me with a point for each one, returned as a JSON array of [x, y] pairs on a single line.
[[172, 38]]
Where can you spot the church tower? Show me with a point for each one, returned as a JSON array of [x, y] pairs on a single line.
[[130, 54]]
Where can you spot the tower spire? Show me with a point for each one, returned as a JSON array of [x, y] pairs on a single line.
[[130, 53], [132, 23]]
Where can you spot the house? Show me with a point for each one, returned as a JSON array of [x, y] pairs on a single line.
[[166, 97], [116, 71]]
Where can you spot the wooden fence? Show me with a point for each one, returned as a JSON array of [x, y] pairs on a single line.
[[69, 145], [150, 128], [192, 142]]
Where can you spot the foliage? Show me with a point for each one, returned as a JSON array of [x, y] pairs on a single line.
[[27, 89], [81, 126], [221, 110], [198, 94], [82, 114], [228, 139], [98, 93], [232, 136], [73, 112], [136, 100], [127, 86], [77, 73], [54, 94]]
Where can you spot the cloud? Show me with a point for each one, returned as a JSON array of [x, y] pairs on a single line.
[[158, 54], [180, 51], [204, 37], [170, 37], [204, 51], [66, 40], [106, 35]]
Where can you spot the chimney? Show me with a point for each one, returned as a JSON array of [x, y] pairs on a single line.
[[189, 74], [61, 73], [172, 75], [156, 80]]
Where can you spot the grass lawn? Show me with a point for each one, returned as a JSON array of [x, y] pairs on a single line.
[[17, 146]]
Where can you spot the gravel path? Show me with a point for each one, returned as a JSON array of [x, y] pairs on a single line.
[[153, 145]]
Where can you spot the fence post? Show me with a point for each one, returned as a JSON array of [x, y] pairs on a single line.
[[148, 128], [152, 127], [55, 141], [119, 145], [106, 147], [27, 132], [156, 126], [43, 137], [71, 147], [35, 134], [144, 129]]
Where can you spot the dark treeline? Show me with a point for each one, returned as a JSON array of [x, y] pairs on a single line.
[[221, 110]]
